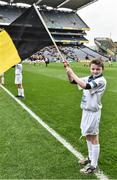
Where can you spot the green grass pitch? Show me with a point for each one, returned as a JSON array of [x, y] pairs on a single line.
[[27, 150]]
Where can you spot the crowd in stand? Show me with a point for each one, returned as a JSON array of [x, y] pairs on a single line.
[[68, 53], [53, 55]]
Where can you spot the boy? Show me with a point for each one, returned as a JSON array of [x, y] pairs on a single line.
[[18, 80], [93, 88]]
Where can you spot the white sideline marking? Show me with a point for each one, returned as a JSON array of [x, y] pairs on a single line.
[[66, 144]]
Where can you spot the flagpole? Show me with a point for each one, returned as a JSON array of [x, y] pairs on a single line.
[[48, 32]]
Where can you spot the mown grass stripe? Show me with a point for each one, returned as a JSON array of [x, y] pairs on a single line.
[[66, 144]]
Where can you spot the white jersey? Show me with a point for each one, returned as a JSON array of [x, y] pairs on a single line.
[[91, 99], [18, 69]]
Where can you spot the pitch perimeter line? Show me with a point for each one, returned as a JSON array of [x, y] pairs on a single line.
[[66, 144]]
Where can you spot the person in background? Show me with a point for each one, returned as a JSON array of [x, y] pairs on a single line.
[[110, 60], [86, 63], [93, 88], [18, 80], [2, 78], [46, 61]]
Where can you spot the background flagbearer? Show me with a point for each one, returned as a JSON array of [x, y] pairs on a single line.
[[2, 78], [18, 80]]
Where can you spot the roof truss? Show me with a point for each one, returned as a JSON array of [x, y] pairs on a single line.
[[72, 4]]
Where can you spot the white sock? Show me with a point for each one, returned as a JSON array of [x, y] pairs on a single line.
[[95, 154], [22, 92], [89, 146], [19, 92]]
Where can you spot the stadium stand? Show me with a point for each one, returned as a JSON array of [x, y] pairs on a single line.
[[69, 40], [93, 53], [73, 53], [106, 46], [65, 26], [63, 20], [67, 32], [10, 13], [70, 53], [56, 20], [81, 52]]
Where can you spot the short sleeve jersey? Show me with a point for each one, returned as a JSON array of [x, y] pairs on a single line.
[[91, 99]]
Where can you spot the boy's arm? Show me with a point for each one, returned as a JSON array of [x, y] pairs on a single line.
[[73, 78], [66, 64]]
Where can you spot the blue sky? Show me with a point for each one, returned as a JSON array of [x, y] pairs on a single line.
[[101, 17]]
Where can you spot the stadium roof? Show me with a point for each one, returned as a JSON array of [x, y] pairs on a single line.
[[72, 4]]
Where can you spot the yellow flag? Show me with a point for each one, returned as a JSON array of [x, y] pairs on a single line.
[[8, 52]]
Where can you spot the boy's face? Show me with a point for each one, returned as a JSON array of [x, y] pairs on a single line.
[[95, 69]]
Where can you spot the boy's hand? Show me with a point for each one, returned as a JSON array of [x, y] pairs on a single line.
[[66, 64]]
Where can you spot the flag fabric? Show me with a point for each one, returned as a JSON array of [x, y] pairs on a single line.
[[8, 52], [28, 33]]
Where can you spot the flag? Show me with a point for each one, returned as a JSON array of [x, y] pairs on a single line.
[[29, 34], [8, 52]]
